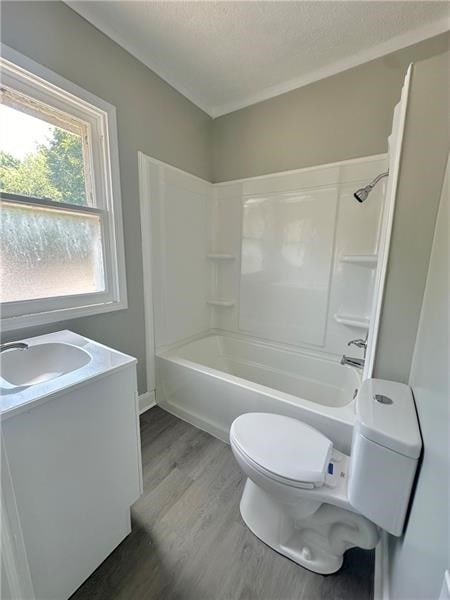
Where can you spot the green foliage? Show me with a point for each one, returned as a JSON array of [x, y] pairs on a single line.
[[30, 177], [8, 161], [55, 171], [65, 163]]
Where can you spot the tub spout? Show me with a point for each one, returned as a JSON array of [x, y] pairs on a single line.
[[352, 361]]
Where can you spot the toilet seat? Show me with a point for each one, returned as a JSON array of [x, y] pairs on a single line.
[[282, 448]]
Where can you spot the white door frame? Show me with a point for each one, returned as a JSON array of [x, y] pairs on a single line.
[[395, 153], [149, 398]]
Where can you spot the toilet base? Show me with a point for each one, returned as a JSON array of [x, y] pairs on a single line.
[[315, 538]]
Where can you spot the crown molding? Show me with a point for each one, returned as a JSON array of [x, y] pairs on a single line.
[[397, 43], [83, 9]]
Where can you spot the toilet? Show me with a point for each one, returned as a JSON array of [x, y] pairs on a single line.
[[310, 502]]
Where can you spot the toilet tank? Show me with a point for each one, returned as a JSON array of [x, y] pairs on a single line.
[[386, 446]]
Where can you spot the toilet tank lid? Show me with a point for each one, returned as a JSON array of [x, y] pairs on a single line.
[[386, 414]]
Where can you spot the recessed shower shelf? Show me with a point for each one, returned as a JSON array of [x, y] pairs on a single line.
[[221, 303], [220, 256], [352, 321], [365, 260]]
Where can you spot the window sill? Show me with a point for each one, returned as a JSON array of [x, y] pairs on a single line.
[[59, 315]]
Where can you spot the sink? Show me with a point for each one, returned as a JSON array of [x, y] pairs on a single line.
[[41, 362]]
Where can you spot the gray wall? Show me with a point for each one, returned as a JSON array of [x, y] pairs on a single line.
[[344, 116], [347, 116], [419, 559], [151, 116], [425, 147]]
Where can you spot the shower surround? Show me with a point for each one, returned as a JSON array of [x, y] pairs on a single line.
[[256, 287]]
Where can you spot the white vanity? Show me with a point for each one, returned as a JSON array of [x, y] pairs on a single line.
[[71, 444]]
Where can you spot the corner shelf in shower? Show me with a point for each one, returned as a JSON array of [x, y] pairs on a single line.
[[220, 256], [365, 260], [221, 303], [352, 320]]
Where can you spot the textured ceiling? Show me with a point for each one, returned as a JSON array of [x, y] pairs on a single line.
[[225, 55]]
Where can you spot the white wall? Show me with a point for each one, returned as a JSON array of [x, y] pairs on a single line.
[[419, 559]]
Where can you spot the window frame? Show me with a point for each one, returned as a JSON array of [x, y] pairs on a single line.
[[104, 193]]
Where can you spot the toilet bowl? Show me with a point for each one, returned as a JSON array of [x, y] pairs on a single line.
[[290, 501], [310, 502]]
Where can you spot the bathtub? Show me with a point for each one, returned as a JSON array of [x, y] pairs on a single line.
[[212, 380]]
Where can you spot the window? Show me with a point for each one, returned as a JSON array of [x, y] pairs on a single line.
[[60, 219]]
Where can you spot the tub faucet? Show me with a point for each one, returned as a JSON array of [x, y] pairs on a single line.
[[359, 343], [353, 361], [13, 346]]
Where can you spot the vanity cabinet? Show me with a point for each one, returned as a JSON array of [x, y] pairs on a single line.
[[75, 465]]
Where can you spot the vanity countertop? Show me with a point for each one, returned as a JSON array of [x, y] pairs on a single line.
[[16, 399]]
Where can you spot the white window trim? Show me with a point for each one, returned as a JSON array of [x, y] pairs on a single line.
[[24, 74]]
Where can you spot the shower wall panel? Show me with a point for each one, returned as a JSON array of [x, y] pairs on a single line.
[[286, 259], [289, 258], [180, 216], [304, 255]]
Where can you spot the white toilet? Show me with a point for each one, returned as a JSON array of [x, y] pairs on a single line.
[[310, 502]]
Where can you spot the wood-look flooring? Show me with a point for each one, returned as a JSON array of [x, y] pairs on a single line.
[[188, 540]]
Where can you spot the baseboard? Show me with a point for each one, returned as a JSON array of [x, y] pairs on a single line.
[[203, 424], [146, 401], [381, 576]]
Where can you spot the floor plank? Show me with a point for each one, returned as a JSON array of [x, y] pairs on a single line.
[[188, 541]]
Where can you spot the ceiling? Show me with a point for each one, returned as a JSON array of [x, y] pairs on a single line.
[[227, 55]]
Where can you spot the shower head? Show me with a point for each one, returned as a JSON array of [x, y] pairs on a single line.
[[363, 192]]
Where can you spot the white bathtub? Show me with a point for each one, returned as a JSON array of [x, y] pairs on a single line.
[[212, 380]]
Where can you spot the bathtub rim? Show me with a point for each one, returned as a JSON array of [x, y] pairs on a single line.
[[306, 351], [344, 414]]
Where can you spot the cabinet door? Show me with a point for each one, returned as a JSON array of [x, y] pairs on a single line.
[[75, 465]]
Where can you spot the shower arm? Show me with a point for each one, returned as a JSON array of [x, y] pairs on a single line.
[[373, 183]]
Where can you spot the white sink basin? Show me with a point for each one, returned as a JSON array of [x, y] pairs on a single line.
[[41, 362]]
